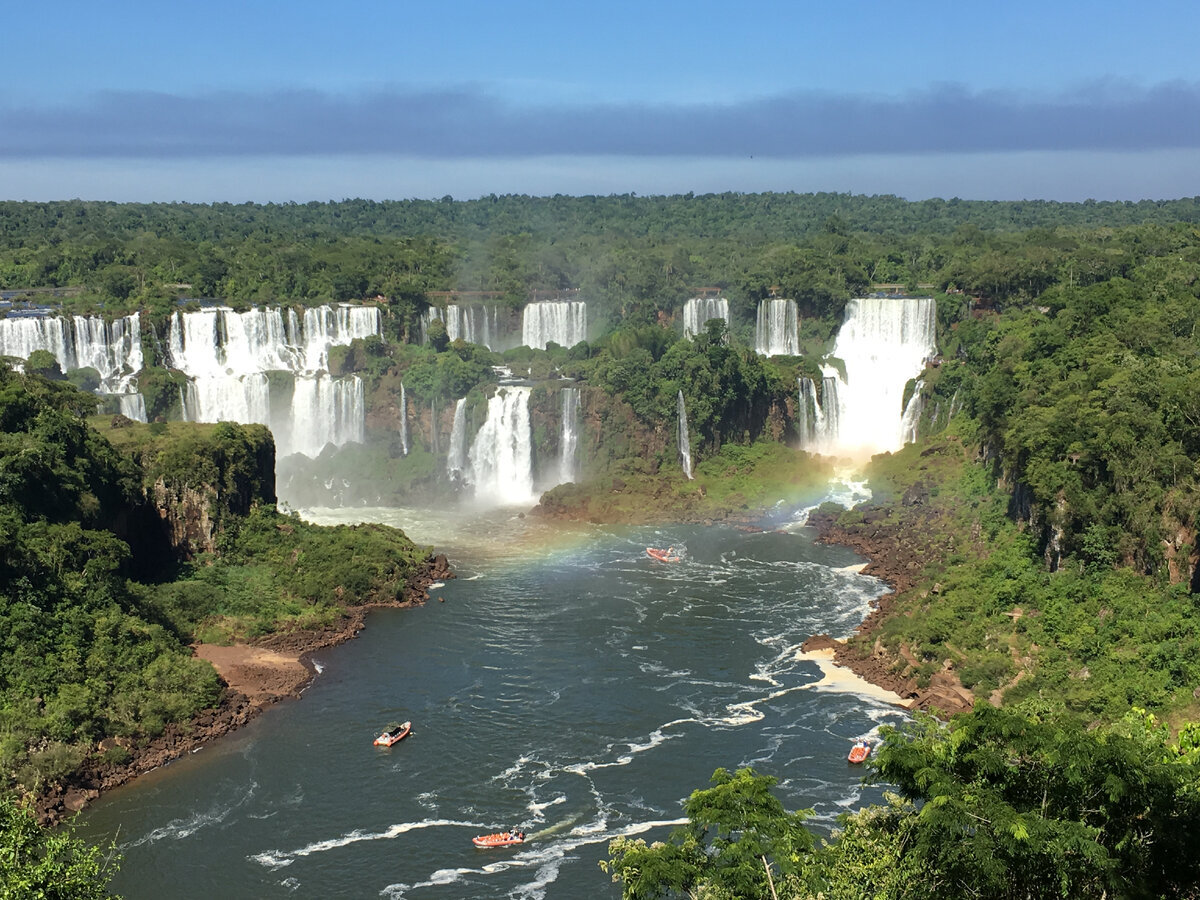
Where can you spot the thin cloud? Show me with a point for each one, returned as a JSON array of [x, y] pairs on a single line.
[[468, 123]]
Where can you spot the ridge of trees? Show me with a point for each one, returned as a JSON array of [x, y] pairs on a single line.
[[994, 805], [94, 655]]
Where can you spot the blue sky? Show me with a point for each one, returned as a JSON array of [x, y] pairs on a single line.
[[302, 100]]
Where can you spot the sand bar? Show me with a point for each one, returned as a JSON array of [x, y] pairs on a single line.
[[843, 680]]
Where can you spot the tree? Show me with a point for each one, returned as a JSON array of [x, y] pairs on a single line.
[[436, 333], [42, 362], [737, 834], [1021, 803], [39, 864]]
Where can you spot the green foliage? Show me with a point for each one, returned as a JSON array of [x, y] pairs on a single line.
[[1024, 803], [739, 839], [39, 864], [43, 363], [85, 653], [276, 572]]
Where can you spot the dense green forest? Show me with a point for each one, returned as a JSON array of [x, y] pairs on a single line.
[[1049, 506], [999, 804], [96, 616], [632, 254]]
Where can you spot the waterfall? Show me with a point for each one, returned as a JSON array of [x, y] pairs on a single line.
[[911, 418], [475, 323], [502, 453], [403, 420], [133, 406], [325, 410], [685, 446], [831, 406], [113, 349], [456, 459], [568, 443], [219, 341], [810, 420], [698, 310], [562, 321], [226, 355], [883, 343], [243, 399], [777, 332]]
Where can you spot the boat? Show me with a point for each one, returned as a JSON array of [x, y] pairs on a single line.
[[859, 752], [661, 555], [393, 734], [499, 839]]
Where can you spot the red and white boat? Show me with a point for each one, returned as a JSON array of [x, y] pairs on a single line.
[[394, 734], [859, 752], [499, 839], [661, 555]]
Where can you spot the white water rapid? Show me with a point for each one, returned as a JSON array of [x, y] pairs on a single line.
[[685, 445], [698, 310], [777, 332], [501, 456], [562, 321]]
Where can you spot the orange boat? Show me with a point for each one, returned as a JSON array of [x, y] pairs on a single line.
[[860, 751], [667, 555], [499, 839], [394, 734]]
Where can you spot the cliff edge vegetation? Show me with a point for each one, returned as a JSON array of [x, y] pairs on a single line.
[[115, 557]]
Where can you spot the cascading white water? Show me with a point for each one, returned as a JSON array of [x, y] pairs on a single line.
[[831, 405], [475, 323], [698, 310], [325, 410], [242, 399], [132, 406], [456, 459], [502, 454], [883, 343], [226, 355], [219, 341], [403, 420], [562, 321], [334, 326], [568, 444], [113, 349], [810, 418], [777, 331], [912, 414], [685, 445]]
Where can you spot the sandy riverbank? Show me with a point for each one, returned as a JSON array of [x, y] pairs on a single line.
[[256, 676], [838, 678], [261, 675], [895, 551]]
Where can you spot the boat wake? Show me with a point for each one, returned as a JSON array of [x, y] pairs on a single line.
[[277, 859]]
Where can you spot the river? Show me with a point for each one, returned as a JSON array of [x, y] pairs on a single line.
[[568, 684]]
